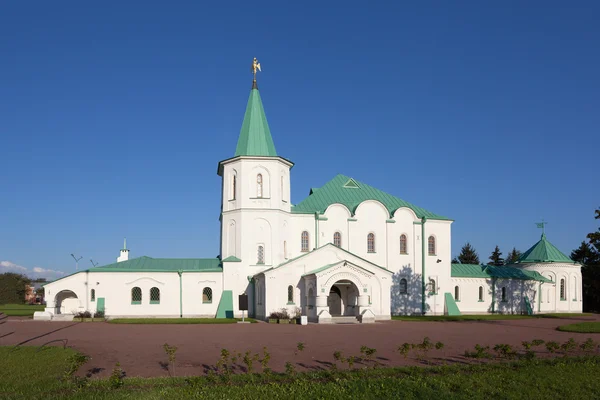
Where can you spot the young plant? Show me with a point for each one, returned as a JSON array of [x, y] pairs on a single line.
[[368, 353], [537, 342], [552, 346], [116, 377], [404, 349], [249, 361], [439, 345], [526, 345], [337, 356], [480, 352], [299, 348], [171, 353], [569, 345], [289, 368], [505, 350], [351, 360], [588, 346], [265, 361]]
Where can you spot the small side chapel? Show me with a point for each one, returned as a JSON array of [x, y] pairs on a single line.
[[346, 253]]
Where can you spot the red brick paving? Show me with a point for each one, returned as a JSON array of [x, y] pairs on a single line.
[[139, 347]]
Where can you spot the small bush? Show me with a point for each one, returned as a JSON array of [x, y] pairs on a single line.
[[588, 346], [116, 377], [171, 352], [83, 314], [289, 368], [537, 342], [569, 345], [480, 352], [404, 349], [552, 346], [99, 314], [505, 350]]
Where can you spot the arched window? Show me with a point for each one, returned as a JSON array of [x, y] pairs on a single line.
[[371, 243], [432, 288], [285, 249], [431, 245], [456, 293], [207, 295], [155, 295], [261, 255], [563, 294], [337, 239], [259, 185], [93, 295], [403, 286], [304, 241], [233, 186], [480, 293], [290, 294], [504, 294], [136, 295], [403, 247]]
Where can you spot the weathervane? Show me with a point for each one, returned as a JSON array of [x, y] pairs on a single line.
[[542, 225], [255, 66]]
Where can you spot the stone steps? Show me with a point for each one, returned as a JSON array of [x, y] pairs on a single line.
[[344, 320]]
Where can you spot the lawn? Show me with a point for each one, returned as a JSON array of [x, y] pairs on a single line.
[[20, 310], [582, 327], [178, 320], [28, 373], [484, 317]]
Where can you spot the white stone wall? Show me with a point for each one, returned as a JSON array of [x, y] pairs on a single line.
[[116, 287], [551, 300]]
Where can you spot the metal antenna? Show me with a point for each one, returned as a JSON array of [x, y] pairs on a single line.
[[93, 263], [76, 261]]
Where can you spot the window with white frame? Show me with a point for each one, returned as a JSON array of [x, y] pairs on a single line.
[[431, 245], [261, 255], [480, 293], [403, 286], [337, 239], [371, 243], [403, 244], [290, 294], [456, 293], [304, 241], [259, 185], [563, 292]]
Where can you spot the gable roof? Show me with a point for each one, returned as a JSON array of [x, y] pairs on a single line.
[[149, 264], [544, 251], [350, 192], [492, 271], [317, 249], [255, 136]]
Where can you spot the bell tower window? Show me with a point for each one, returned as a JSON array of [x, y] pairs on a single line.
[[259, 185]]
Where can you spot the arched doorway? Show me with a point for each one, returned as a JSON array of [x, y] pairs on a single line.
[[343, 298], [66, 302]]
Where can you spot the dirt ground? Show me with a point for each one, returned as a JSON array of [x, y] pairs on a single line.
[[139, 348]]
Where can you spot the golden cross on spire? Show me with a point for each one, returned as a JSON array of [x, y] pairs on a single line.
[[255, 66]]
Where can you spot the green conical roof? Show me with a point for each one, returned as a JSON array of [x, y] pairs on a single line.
[[544, 251], [255, 137]]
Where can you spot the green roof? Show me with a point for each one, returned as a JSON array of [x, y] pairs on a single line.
[[492, 271], [350, 192], [544, 251], [149, 264], [255, 137]]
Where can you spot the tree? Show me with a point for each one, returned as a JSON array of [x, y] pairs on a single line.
[[496, 258], [588, 255], [513, 256], [467, 255], [13, 288]]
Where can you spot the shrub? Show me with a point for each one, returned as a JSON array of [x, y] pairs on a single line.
[[83, 314], [552, 346], [404, 349], [537, 342], [265, 360], [588, 346], [171, 352], [569, 345], [505, 350], [99, 314], [480, 352], [116, 377]]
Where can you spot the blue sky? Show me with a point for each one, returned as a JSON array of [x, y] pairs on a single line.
[[113, 117]]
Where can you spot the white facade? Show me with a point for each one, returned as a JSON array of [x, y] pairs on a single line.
[[370, 262]]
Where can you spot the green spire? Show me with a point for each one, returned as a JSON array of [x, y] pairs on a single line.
[[255, 137]]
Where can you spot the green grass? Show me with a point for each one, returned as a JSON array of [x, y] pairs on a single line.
[[178, 320], [20, 310], [484, 317], [582, 327], [31, 374], [28, 372]]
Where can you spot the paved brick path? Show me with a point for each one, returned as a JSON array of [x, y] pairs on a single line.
[[139, 347]]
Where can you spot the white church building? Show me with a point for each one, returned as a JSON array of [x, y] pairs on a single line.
[[347, 250]]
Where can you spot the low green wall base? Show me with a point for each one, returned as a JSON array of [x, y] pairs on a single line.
[[225, 309]]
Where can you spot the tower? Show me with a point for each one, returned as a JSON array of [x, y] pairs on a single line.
[[255, 193], [124, 254]]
